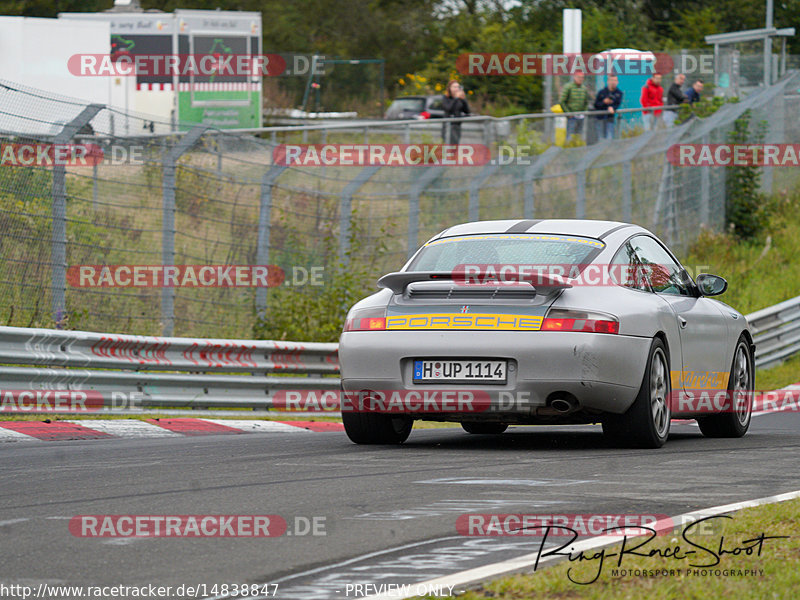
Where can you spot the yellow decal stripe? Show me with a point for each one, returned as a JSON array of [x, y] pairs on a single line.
[[477, 321], [699, 380]]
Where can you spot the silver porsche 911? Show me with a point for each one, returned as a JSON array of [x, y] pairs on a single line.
[[495, 323]]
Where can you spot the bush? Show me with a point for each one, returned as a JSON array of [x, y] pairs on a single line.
[[746, 208], [317, 313], [704, 108]]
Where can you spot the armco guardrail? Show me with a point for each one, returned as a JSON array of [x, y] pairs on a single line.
[[477, 127], [177, 372], [776, 332], [208, 373]]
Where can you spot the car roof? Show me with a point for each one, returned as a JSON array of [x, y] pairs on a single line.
[[418, 97], [582, 227]]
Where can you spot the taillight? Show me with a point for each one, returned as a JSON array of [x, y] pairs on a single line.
[[424, 115], [366, 319], [559, 319]]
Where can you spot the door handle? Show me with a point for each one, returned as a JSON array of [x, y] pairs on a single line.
[[683, 322]]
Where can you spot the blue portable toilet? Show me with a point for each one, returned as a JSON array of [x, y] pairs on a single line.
[[633, 68]]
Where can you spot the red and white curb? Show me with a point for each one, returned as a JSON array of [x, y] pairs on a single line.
[[92, 429]]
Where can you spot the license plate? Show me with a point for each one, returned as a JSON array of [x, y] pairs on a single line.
[[459, 371]]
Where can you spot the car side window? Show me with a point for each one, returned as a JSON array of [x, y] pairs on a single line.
[[436, 103], [665, 275], [627, 270]]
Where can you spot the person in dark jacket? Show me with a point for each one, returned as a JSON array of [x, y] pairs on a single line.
[[694, 92], [674, 96], [608, 99], [455, 105]]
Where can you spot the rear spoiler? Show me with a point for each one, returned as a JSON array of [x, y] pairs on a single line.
[[398, 281]]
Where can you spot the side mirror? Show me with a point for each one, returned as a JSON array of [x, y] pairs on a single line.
[[711, 285]]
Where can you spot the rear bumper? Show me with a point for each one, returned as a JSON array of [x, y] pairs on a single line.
[[602, 372]]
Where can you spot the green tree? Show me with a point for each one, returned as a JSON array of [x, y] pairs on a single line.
[[746, 208]]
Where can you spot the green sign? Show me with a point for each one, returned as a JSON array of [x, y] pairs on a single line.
[[222, 109]]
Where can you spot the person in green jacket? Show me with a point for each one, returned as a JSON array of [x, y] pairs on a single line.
[[574, 98]]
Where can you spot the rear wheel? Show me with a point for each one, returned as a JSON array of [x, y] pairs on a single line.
[[735, 421], [646, 423], [484, 428], [371, 428]]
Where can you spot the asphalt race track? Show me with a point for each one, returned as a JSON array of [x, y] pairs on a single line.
[[388, 513]]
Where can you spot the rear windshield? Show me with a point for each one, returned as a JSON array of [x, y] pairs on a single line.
[[515, 249], [436, 103], [409, 104]]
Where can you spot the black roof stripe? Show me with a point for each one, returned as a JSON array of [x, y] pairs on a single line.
[[522, 226], [612, 230]]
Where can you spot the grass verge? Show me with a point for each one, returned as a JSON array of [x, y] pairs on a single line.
[[760, 272], [780, 376]]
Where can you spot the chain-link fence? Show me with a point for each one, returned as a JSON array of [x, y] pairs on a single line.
[[207, 197]]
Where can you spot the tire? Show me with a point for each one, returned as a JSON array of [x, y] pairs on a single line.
[[736, 420], [372, 428], [484, 428], [646, 423]]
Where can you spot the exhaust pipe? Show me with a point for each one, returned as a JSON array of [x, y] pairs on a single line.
[[564, 404]]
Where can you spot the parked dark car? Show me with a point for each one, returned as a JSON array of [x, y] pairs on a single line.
[[416, 107]]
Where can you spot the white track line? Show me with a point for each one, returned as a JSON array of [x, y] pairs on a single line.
[[789, 388], [527, 561], [258, 426], [9, 435], [124, 428]]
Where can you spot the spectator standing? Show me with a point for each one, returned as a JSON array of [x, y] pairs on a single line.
[[574, 98], [608, 99], [674, 96], [694, 92], [455, 105], [652, 97]]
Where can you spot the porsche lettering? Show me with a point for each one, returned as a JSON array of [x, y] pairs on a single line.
[[465, 321]]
